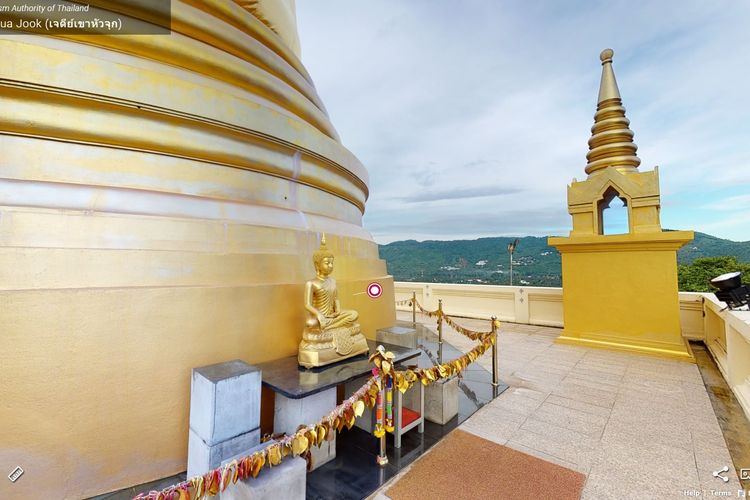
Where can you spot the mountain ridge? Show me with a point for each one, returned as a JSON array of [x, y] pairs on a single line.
[[486, 260]]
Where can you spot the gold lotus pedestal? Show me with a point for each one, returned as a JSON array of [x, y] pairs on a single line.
[[323, 348]]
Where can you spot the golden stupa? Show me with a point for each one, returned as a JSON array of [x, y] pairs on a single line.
[[619, 290], [161, 197]]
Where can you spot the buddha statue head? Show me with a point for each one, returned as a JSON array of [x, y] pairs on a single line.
[[323, 259]]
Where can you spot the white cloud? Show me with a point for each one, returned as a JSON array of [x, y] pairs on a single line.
[[438, 96]]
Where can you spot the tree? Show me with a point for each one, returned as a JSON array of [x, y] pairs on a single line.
[[695, 277]]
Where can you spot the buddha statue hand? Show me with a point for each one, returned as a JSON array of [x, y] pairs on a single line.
[[324, 322]]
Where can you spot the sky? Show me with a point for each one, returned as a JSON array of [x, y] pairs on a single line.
[[472, 117]]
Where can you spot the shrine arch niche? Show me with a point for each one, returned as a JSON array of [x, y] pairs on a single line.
[[613, 213]]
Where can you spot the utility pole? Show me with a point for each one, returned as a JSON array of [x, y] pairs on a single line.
[[511, 249]]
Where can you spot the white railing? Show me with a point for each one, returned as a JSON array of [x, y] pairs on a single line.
[[727, 336], [725, 333], [523, 304]]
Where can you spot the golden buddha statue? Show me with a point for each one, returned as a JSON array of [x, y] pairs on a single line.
[[331, 333]]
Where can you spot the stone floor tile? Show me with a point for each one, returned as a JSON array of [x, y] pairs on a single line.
[[516, 402], [611, 356], [629, 395], [604, 365], [581, 456], [504, 414], [558, 433], [588, 373], [579, 405], [585, 397], [657, 471], [544, 456], [378, 495], [586, 389], [548, 359], [664, 373], [577, 379], [710, 459], [491, 431], [623, 484], [541, 379], [569, 418], [642, 435], [652, 415], [528, 393], [544, 367], [641, 379]]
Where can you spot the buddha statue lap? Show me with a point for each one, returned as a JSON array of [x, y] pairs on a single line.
[[331, 333]]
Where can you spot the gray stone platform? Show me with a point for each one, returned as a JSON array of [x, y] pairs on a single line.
[[224, 413], [397, 335], [441, 400], [287, 480]]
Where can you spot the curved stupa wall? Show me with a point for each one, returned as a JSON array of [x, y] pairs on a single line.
[[160, 200]]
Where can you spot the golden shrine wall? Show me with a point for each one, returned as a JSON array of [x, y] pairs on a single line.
[[160, 200]]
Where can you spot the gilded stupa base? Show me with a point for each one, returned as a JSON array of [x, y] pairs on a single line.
[[678, 351], [323, 348]]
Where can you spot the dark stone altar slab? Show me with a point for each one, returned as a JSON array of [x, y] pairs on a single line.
[[286, 377]]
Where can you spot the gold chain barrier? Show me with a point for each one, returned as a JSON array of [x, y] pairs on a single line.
[[472, 334], [438, 313], [376, 394], [298, 444], [431, 314], [404, 379]]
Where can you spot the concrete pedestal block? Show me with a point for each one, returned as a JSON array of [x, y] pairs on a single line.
[[224, 413], [365, 422], [290, 413], [398, 335], [203, 457], [441, 401], [287, 480]]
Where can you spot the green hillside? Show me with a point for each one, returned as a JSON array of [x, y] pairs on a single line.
[[486, 261]]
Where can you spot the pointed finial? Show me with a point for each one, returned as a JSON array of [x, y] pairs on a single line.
[[608, 86], [611, 143], [322, 251]]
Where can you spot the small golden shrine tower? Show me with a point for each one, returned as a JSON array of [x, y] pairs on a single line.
[[620, 290]]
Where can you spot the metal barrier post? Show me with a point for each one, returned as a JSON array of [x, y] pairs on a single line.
[[440, 331], [414, 307], [440, 321], [382, 457], [494, 354]]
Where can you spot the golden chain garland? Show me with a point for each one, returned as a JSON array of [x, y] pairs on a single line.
[[430, 314], [345, 414], [404, 379], [216, 480], [403, 302], [472, 334]]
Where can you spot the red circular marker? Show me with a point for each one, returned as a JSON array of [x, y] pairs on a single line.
[[374, 290]]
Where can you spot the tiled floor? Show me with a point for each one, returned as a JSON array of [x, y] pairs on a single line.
[[638, 427]]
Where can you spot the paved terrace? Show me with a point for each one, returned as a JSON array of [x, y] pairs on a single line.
[[636, 426]]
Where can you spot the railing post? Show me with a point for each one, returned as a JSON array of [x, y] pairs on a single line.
[[414, 307], [440, 331], [382, 457], [494, 354]]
